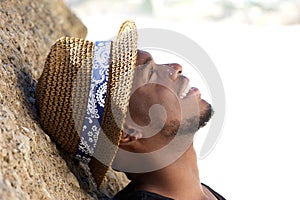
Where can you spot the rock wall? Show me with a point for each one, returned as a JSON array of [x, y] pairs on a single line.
[[31, 166]]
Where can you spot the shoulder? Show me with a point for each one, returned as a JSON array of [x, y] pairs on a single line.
[[129, 193], [217, 195]]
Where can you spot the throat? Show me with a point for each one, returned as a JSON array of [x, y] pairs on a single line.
[[180, 180]]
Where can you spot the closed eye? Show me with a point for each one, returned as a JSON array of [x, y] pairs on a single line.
[[147, 68], [145, 64], [147, 61]]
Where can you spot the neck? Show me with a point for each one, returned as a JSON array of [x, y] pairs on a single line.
[[180, 180]]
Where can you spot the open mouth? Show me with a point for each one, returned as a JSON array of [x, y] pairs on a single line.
[[185, 91], [190, 91]]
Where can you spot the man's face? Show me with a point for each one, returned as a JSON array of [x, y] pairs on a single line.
[[176, 107]]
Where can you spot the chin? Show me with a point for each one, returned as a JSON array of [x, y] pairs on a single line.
[[206, 112], [192, 124]]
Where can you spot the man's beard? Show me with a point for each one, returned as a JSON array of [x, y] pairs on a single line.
[[208, 113], [188, 126]]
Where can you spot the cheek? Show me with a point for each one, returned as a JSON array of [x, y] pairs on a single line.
[[191, 107], [170, 102], [143, 98], [138, 108]]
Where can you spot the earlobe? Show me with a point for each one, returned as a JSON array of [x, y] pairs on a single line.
[[129, 135], [124, 138]]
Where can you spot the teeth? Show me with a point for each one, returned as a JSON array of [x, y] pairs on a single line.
[[185, 91]]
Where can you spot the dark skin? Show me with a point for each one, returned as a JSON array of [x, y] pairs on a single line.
[[165, 85]]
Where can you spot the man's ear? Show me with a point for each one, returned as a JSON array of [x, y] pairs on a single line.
[[129, 135]]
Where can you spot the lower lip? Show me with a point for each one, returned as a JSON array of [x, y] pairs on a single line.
[[193, 92]]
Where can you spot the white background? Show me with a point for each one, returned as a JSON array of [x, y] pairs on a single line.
[[258, 154]]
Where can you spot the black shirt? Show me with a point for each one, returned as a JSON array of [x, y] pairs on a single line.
[[128, 193]]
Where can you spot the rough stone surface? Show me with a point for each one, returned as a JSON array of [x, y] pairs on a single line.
[[31, 166]]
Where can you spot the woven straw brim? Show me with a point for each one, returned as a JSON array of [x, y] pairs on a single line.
[[68, 66], [55, 87]]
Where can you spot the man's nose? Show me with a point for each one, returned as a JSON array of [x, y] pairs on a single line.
[[143, 57], [175, 70]]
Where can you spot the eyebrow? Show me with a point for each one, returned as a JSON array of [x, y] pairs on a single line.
[[148, 60], [145, 63]]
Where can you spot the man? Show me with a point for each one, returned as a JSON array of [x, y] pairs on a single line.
[[108, 104], [180, 179]]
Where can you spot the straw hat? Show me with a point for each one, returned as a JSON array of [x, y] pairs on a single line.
[[83, 95]]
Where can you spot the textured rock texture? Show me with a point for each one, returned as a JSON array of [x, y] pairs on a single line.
[[31, 166]]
